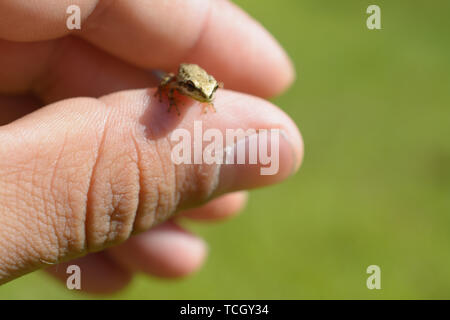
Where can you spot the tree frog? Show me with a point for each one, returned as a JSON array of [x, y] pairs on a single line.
[[192, 81]]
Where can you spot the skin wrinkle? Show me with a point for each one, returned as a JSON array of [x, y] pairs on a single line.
[[119, 219], [43, 242], [177, 171], [158, 203], [61, 238], [121, 199], [185, 181], [157, 188], [108, 205], [150, 203], [88, 207], [176, 196], [165, 199], [70, 233], [140, 189], [46, 243], [162, 204], [144, 209], [113, 207]]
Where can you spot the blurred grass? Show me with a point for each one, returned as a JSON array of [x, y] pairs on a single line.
[[373, 107]]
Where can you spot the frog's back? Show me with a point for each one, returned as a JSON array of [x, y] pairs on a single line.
[[191, 72]]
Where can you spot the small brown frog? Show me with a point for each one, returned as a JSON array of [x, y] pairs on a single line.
[[191, 81]]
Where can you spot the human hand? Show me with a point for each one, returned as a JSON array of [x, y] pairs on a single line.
[[93, 166]]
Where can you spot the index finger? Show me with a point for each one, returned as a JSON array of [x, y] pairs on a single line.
[[161, 34]]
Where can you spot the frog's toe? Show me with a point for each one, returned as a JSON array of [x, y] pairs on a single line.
[[207, 106]]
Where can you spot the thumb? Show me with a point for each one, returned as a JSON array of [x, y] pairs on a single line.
[[83, 174]]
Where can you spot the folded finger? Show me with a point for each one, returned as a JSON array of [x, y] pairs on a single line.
[[165, 251], [65, 68], [161, 34], [220, 208], [98, 273]]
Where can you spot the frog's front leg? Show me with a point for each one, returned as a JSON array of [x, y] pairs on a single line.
[[165, 82], [209, 105], [172, 100]]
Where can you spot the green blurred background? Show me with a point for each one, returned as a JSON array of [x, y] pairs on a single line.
[[374, 109]]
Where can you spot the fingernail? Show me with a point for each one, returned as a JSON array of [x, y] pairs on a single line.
[[257, 160]]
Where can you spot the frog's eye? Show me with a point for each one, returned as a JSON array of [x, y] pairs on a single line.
[[190, 86], [215, 89]]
